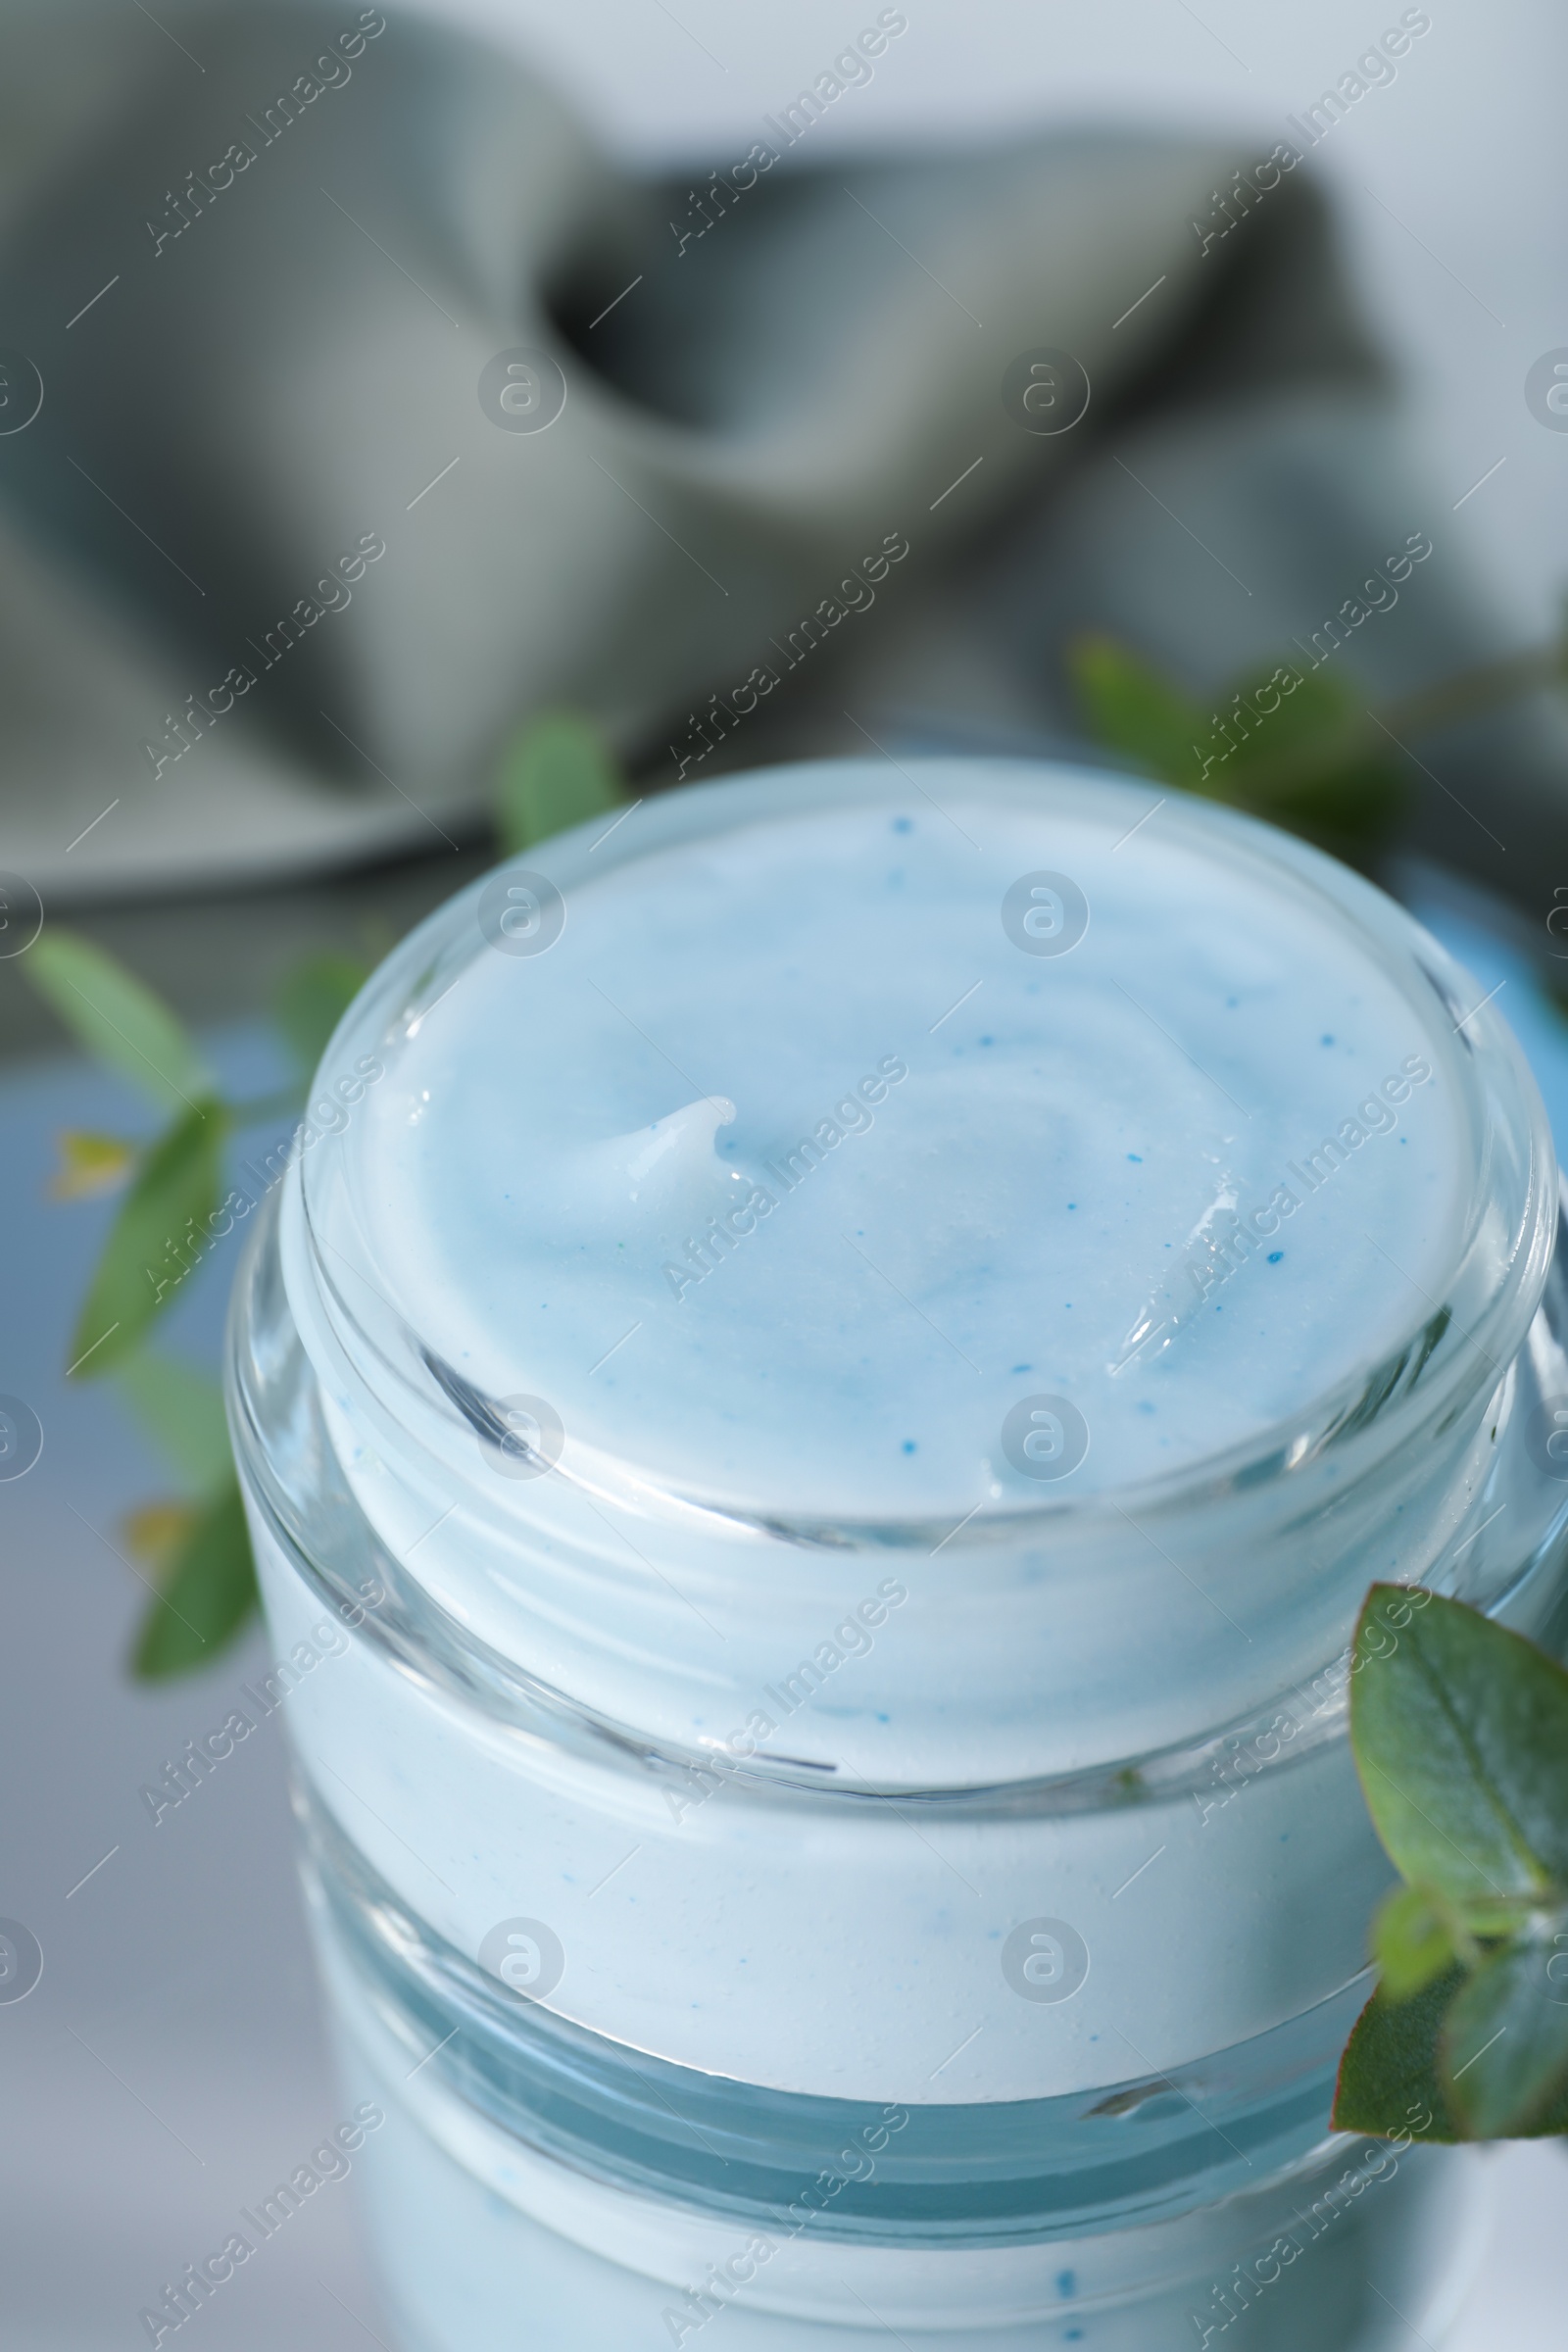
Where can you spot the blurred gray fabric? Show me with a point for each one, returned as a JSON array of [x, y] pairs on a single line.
[[308, 250]]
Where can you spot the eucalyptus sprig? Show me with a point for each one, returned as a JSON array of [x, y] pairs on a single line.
[[1460, 1734], [1298, 746], [555, 773], [194, 1547]]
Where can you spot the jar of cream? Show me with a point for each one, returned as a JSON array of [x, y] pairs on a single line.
[[835, 1358]]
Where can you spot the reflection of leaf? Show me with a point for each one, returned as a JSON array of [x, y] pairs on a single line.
[[1412, 1942], [1460, 1732], [117, 1019], [90, 1164], [1504, 2049], [1132, 709], [208, 1592], [166, 1210], [557, 772], [183, 1412], [312, 999]]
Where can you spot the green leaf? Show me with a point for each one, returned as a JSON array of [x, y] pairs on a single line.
[[312, 999], [1387, 2080], [210, 1592], [1412, 1942], [1311, 763], [182, 1410], [1311, 719], [154, 1242], [1503, 2048], [558, 771], [1130, 708], [1301, 750], [117, 1019], [1461, 1733]]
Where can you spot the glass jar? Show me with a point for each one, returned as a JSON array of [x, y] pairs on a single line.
[[959, 1934]]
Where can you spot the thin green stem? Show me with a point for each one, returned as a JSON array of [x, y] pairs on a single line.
[[1480, 689]]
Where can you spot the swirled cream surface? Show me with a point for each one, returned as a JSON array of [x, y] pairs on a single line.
[[949, 1146]]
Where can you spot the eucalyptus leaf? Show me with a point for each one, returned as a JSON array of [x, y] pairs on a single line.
[[1292, 714], [1312, 762], [117, 1019], [208, 1595], [1412, 1942], [1504, 2047], [1388, 2077], [155, 1239], [182, 1410], [1282, 742], [1130, 707], [309, 1002], [1461, 1733], [558, 771]]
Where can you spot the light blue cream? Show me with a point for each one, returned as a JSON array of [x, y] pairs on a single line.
[[791, 1167]]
